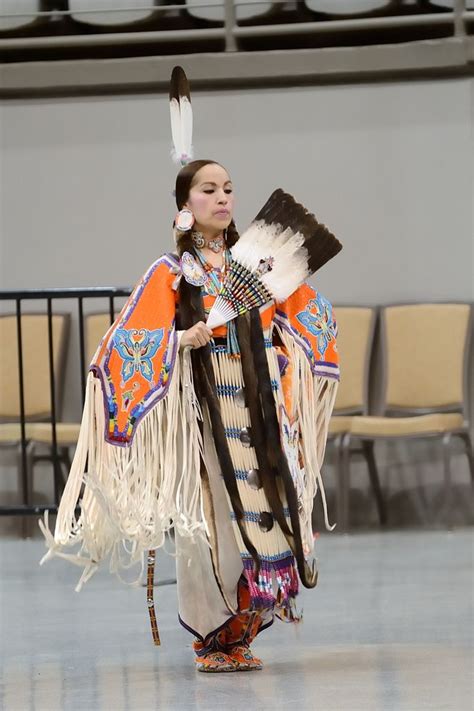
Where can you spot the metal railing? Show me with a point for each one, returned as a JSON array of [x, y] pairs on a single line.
[[17, 298], [230, 31]]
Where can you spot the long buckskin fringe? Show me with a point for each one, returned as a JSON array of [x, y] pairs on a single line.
[[315, 395], [132, 495]]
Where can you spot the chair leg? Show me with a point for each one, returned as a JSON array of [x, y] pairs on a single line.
[[57, 475], [66, 459], [339, 511], [344, 482], [448, 485], [65, 465], [368, 450], [466, 438], [30, 460], [25, 482], [23, 474], [59, 478]]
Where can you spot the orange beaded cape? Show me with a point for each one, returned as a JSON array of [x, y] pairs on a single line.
[[136, 357]]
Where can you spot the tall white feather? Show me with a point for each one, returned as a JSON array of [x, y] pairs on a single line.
[[181, 115], [175, 116], [186, 127]]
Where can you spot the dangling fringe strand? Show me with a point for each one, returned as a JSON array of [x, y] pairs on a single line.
[[315, 396]]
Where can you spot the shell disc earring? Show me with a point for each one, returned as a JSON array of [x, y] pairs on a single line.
[[184, 220]]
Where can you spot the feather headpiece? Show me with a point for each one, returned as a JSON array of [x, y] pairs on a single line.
[[181, 114], [283, 246]]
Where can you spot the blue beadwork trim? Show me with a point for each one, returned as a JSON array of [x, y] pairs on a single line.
[[232, 432], [220, 348], [269, 558], [230, 390], [241, 474]]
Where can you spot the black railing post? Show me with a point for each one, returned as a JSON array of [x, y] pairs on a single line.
[[56, 469], [24, 468], [111, 309], [82, 346]]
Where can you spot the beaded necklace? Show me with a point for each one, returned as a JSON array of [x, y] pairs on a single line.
[[213, 287], [215, 274]]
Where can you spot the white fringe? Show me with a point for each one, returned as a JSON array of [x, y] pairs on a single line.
[[315, 397], [132, 495]]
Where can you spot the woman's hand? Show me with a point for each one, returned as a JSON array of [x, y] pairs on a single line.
[[196, 336]]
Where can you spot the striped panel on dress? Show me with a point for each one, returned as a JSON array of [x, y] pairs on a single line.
[[271, 545]]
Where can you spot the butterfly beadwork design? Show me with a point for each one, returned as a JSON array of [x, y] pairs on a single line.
[[137, 347], [317, 319]]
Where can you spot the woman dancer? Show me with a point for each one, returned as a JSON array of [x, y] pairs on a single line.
[[219, 433]]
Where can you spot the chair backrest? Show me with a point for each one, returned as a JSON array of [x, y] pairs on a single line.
[[450, 4], [215, 10], [345, 7], [18, 13], [96, 326], [425, 353], [36, 376], [118, 12], [356, 325]]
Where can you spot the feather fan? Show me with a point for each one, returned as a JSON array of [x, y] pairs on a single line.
[[283, 246]]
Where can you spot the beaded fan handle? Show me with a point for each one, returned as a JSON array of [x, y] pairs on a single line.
[[149, 597]]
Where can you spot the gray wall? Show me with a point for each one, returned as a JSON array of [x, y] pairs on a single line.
[[86, 194], [387, 167]]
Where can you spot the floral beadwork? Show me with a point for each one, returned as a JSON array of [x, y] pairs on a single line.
[[128, 396]]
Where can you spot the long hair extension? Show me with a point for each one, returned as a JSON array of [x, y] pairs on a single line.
[[259, 440], [275, 452]]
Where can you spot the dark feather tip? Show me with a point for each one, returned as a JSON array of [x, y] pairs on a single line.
[[281, 208], [179, 85]]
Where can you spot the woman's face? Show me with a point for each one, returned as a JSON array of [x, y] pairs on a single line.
[[211, 199]]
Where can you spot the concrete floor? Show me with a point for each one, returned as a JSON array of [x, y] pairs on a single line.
[[389, 627]]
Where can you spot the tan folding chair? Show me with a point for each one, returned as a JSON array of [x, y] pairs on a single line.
[[67, 433], [426, 355], [36, 378], [356, 328], [97, 326]]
